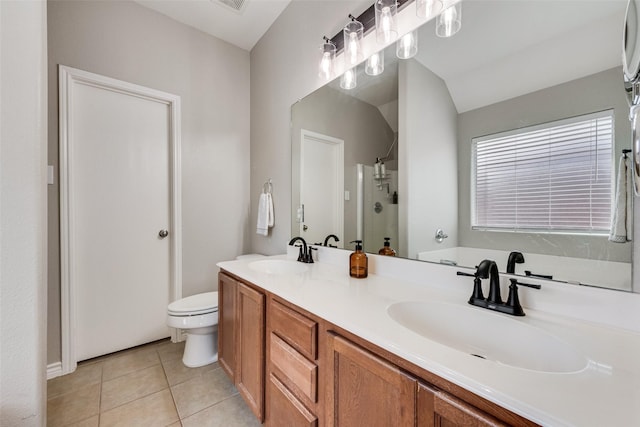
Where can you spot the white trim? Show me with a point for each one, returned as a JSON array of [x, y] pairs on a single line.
[[68, 77], [339, 190], [54, 370]]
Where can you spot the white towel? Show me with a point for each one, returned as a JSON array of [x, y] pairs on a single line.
[[622, 221], [265, 214]]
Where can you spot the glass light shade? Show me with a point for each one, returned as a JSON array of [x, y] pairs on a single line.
[[407, 46], [327, 58], [428, 8], [375, 64], [386, 20], [449, 21], [348, 79], [353, 33]]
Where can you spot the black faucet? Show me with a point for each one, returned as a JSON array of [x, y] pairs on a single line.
[[331, 236], [488, 269], [305, 254], [514, 258]]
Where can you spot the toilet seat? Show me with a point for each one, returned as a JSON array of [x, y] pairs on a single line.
[[195, 305]]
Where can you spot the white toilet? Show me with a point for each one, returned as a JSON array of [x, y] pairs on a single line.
[[197, 315]]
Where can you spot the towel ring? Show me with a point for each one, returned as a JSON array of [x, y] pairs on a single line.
[[267, 187]]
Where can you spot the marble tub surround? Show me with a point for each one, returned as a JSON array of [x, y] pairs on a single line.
[[599, 324]]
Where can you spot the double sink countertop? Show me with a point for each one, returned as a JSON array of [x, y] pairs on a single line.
[[588, 375]]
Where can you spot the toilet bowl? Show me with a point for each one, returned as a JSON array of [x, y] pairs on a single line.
[[197, 316]]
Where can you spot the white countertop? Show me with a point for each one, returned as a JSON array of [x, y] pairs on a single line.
[[605, 393]]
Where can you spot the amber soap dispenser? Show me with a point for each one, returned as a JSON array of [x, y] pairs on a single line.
[[358, 262], [386, 249]]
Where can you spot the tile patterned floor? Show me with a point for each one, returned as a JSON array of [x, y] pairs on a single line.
[[146, 386]]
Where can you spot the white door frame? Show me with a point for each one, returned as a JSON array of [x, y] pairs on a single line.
[[339, 190], [68, 78]]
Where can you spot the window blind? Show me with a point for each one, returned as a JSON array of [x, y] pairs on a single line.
[[552, 177]]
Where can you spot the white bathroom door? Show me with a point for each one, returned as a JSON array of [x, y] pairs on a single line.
[[119, 169], [321, 187]]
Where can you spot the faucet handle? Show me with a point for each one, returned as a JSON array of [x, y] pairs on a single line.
[[310, 250], [528, 285], [513, 302]]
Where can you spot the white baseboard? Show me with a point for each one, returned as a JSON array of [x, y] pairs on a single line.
[[54, 370]]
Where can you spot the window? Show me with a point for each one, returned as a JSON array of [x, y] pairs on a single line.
[[555, 177]]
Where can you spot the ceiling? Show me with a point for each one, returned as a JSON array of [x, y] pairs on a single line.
[[241, 28]]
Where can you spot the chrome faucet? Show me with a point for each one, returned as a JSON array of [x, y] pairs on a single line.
[[488, 269], [514, 258], [305, 254], [331, 236]]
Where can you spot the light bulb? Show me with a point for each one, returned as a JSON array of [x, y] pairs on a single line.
[[385, 22], [449, 21], [353, 33], [327, 58], [386, 26], [407, 46], [375, 64], [326, 66], [353, 48], [348, 79], [427, 8]]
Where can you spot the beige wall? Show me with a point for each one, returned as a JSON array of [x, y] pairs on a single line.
[[593, 93], [123, 40], [23, 122]]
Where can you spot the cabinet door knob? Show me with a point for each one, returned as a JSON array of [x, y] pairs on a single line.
[[163, 233]]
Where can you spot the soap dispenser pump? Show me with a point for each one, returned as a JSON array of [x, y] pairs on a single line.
[[386, 249], [358, 262]]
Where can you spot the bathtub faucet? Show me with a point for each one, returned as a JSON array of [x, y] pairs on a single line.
[[514, 258]]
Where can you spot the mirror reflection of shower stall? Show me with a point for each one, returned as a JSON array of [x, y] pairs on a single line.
[[377, 207]]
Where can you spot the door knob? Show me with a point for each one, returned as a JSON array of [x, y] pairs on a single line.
[[305, 228], [163, 233]]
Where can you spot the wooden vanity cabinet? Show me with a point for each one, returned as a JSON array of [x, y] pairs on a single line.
[[241, 334], [292, 367], [366, 390], [437, 408]]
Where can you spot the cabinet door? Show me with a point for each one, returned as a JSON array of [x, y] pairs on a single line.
[[227, 288], [439, 409], [250, 339], [365, 390]]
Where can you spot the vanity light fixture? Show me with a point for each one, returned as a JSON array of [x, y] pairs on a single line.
[[348, 79], [375, 64], [353, 33], [407, 46], [449, 21], [428, 8], [328, 56], [386, 20]]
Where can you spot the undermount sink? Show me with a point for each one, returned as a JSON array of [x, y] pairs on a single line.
[[278, 266], [488, 335]]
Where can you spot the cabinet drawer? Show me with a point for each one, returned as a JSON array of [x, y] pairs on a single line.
[[297, 330], [302, 373], [285, 409]]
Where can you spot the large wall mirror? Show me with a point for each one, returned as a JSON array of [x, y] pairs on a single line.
[[514, 67]]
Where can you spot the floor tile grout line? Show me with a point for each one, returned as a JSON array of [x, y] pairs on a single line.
[[212, 405]]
